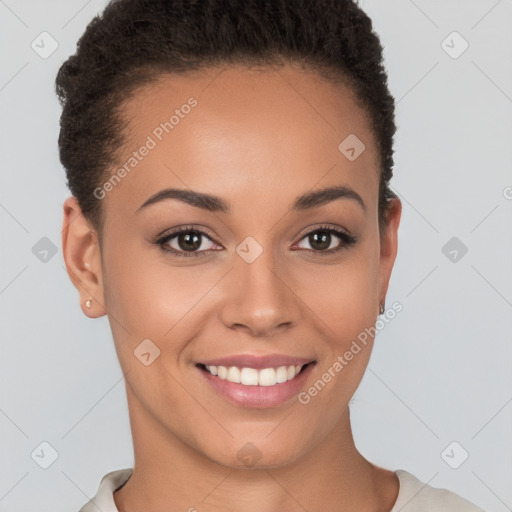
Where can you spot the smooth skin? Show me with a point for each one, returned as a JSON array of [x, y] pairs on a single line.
[[258, 139]]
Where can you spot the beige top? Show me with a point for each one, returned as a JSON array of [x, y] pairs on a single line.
[[413, 496]]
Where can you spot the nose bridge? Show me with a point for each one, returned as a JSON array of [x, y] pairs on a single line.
[[259, 298]]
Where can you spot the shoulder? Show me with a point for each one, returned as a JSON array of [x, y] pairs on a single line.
[[104, 498], [417, 496]]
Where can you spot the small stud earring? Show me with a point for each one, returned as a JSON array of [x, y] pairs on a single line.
[[88, 303], [382, 308]]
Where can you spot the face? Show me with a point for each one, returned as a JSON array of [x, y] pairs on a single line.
[[265, 255]]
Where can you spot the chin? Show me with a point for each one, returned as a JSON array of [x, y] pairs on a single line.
[[256, 455]]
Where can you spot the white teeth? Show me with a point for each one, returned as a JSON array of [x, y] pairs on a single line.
[[249, 376], [222, 372], [254, 377], [267, 377], [233, 374], [282, 374]]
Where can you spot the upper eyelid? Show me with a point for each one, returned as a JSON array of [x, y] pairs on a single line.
[[186, 229], [326, 226]]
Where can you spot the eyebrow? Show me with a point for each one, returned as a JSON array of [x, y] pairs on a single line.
[[216, 204]]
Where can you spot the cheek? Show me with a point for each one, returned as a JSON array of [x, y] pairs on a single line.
[[150, 297], [344, 297], [146, 297], [344, 304]]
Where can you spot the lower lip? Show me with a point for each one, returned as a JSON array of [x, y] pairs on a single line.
[[258, 396]]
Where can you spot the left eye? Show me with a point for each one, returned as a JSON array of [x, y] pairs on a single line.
[[321, 240]]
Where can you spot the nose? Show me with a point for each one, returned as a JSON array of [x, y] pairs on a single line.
[[260, 298]]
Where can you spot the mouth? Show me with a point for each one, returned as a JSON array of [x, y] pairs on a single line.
[[256, 387], [247, 376]]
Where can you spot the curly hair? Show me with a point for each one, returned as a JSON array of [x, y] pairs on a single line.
[[134, 41]]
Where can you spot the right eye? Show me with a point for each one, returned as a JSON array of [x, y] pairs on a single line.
[[186, 241]]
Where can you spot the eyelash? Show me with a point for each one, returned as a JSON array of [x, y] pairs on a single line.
[[346, 241]]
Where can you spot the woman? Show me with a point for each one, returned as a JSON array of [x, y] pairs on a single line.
[[231, 214]]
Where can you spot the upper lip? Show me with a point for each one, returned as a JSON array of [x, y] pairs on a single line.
[[258, 361]]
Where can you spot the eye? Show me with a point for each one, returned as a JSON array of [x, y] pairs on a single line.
[[187, 241], [327, 240]]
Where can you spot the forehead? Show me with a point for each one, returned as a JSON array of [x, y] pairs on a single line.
[[268, 95], [272, 130]]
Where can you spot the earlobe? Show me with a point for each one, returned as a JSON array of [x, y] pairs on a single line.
[[389, 245], [82, 256]]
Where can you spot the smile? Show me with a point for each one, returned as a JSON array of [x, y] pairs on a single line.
[[263, 387], [253, 376]]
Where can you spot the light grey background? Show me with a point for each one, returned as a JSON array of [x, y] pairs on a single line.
[[440, 371]]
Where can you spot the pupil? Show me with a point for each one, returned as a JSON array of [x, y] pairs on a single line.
[[189, 242], [320, 239]]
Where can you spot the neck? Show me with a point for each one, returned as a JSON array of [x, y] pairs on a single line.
[[170, 475]]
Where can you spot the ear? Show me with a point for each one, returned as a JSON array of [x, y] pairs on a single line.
[[389, 245], [82, 255]]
